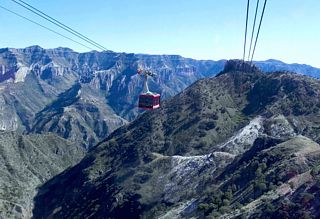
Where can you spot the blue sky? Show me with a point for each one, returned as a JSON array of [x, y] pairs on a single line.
[[201, 29]]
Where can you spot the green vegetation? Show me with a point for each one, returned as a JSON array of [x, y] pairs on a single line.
[[28, 161], [202, 163]]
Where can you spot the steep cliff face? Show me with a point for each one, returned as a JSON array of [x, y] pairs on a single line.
[[36, 78], [222, 147], [27, 161]]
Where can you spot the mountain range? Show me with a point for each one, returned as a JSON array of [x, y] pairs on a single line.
[[205, 153], [241, 144], [83, 97], [91, 93]]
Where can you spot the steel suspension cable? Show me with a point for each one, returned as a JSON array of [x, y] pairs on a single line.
[[253, 29], [69, 28], [57, 23], [255, 44], [21, 16], [245, 32]]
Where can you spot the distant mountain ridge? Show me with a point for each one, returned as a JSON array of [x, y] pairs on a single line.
[[33, 82], [272, 65]]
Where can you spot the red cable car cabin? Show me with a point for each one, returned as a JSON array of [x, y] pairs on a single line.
[[149, 101]]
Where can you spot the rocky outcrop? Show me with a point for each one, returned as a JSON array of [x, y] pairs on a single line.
[[240, 65]]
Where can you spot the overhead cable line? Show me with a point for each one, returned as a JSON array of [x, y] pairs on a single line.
[[245, 32], [253, 29], [58, 23], [255, 44], [34, 22], [69, 28]]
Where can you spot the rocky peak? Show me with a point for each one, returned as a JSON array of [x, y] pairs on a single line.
[[30, 49], [240, 65]]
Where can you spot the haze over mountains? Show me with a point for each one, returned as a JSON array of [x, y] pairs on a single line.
[[238, 122]]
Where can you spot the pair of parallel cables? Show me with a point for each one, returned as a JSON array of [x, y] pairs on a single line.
[[253, 30], [59, 24]]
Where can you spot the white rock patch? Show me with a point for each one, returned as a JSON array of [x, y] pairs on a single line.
[[245, 137], [21, 74]]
